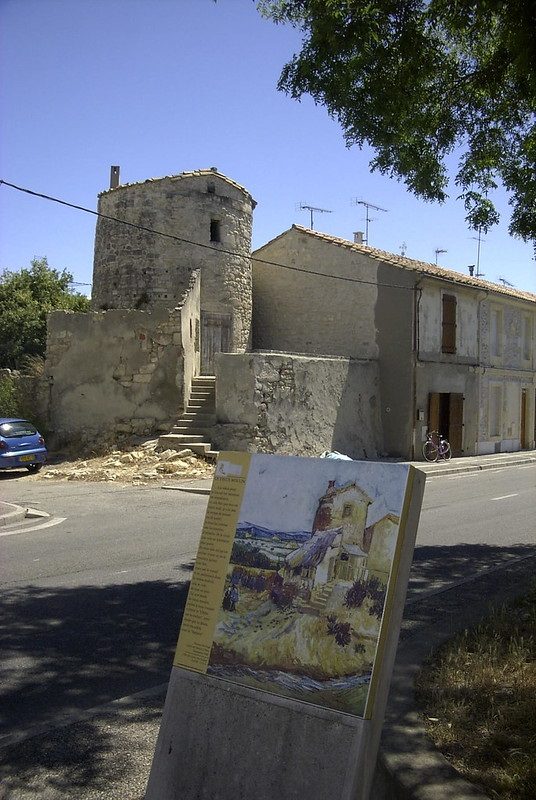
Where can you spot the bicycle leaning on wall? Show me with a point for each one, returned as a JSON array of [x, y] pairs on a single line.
[[436, 447]]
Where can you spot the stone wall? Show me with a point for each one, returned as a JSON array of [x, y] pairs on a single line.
[[297, 405], [139, 269], [120, 371]]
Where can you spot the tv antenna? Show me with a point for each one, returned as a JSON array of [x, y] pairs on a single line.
[[368, 219], [312, 210], [505, 282], [479, 240], [437, 252]]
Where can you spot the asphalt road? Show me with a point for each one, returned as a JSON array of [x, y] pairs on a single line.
[[91, 606]]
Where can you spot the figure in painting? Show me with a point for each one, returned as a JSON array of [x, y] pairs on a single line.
[[230, 598]]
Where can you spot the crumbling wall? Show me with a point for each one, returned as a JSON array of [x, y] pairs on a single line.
[[298, 405], [120, 371]]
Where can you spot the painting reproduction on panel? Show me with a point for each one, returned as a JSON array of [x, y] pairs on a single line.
[[305, 591]]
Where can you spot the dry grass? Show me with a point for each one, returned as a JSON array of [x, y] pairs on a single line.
[[478, 696]]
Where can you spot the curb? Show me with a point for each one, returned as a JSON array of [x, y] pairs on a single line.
[[10, 513], [461, 468], [188, 489]]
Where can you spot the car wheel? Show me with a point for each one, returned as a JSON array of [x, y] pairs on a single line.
[[34, 467]]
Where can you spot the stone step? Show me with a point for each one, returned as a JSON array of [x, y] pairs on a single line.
[[204, 449], [199, 394], [194, 430], [200, 418], [192, 407], [204, 381], [176, 441]]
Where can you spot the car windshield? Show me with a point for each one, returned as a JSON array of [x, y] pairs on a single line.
[[17, 428]]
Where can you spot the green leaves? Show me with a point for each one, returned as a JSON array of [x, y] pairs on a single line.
[[26, 298], [417, 80]]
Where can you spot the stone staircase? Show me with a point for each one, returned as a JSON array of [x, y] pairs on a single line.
[[192, 430], [320, 597]]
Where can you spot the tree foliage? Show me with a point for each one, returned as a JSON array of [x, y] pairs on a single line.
[[420, 80], [26, 297]]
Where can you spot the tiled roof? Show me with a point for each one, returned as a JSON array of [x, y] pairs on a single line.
[[197, 173], [422, 267]]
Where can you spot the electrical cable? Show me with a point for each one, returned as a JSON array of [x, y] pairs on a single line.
[[182, 240]]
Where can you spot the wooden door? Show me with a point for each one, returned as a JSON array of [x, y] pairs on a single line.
[[215, 338], [455, 433], [433, 412]]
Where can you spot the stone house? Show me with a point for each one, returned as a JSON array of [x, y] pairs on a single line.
[[448, 351], [314, 342]]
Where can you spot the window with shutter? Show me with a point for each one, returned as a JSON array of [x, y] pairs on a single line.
[[448, 324]]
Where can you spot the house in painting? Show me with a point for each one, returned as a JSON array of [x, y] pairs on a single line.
[[335, 552]]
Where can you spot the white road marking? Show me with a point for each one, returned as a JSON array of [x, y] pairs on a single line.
[[505, 496], [49, 524]]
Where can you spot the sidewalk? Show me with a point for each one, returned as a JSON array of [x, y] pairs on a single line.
[[106, 752]]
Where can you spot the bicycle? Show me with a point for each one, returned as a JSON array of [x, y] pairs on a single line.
[[436, 447]]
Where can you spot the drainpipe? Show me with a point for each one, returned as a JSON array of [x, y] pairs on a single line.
[[416, 349], [480, 369]]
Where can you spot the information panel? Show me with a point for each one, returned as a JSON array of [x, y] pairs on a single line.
[[295, 576]]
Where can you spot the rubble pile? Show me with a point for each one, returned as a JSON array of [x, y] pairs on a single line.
[[138, 464]]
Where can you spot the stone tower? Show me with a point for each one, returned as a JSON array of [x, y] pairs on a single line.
[[207, 219]]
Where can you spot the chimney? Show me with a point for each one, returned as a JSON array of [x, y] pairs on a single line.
[[114, 177], [358, 237], [471, 269]]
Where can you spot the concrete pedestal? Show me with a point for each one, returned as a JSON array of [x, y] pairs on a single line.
[[220, 741]]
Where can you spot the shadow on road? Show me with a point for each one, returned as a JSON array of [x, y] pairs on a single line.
[[68, 649], [439, 566]]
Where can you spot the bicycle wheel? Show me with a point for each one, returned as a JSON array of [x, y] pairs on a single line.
[[446, 452], [430, 451]]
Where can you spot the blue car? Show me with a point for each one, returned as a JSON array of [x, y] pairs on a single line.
[[21, 445]]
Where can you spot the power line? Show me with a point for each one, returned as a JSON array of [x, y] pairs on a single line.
[[200, 244]]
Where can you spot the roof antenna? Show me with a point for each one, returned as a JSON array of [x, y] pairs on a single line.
[[437, 251], [368, 219], [479, 240], [312, 209]]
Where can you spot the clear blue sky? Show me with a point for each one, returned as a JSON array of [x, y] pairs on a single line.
[[164, 86]]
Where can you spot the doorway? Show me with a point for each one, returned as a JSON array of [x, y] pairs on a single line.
[[445, 414], [215, 338]]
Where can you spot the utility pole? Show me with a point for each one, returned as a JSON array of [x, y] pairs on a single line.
[[312, 209], [368, 219], [437, 251]]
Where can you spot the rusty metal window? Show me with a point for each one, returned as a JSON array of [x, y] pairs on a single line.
[[448, 324]]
